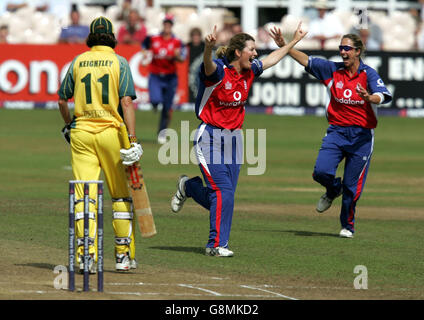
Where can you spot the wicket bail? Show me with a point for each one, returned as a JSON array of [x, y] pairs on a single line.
[[86, 256]]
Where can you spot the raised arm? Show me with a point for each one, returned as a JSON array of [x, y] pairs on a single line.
[[208, 63], [276, 55], [299, 56]]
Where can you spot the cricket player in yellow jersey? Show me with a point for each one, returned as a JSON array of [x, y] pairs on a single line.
[[102, 86]]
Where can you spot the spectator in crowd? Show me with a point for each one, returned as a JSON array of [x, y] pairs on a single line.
[[370, 34], [420, 39], [326, 26], [52, 6], [196, 44], [13, 5], [60, 9], [127, 5], [370, 43], [416, 15], [75, 32], [133, 31], [236, 28], [230, 28], [264, 40], [4, 32], [195, 51], [422, 10]]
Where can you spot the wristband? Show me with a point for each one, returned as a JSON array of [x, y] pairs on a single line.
[[381, 97], [133, 139]]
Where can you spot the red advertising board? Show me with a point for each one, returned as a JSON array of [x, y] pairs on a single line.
[[32, 73]]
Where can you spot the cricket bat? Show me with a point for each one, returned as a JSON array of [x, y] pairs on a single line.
[[140, 198]]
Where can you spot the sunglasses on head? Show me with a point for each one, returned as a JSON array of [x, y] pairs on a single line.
[[346, 48]]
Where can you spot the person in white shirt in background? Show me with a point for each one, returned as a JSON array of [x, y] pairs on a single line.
[[326, 26]]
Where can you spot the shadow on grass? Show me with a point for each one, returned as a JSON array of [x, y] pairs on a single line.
[[37, 265], [180, 249], [302, 233], [50, 266], [310, 233]]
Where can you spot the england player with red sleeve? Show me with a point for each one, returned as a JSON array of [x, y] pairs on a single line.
[[166, 50], [224, 87], [354, 91]]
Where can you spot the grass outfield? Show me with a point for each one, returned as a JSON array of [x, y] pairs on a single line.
[[277, 237]]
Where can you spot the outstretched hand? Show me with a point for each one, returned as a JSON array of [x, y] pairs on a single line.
[[276, 34], [299, 34], [210, 39]]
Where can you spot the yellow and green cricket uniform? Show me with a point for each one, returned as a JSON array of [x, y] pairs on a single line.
[[98, 79]]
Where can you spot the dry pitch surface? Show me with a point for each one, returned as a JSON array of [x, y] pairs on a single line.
[[28, 274]]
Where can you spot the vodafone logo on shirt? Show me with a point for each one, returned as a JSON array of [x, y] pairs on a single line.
[[237, 100], [347, 94], [237, 95]]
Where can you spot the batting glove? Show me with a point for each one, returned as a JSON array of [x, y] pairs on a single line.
[[66, 133], [131, 155]]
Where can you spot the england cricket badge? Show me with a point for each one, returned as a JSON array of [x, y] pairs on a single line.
[[339, 85], [228, 85]]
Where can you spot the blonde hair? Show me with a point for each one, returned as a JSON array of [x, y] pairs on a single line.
[[237, 42]]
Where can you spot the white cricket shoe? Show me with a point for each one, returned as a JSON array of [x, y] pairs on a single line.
[[122, 262], [162, 137], [325, 202], [219, 252], [344, 233], [180, 196]]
